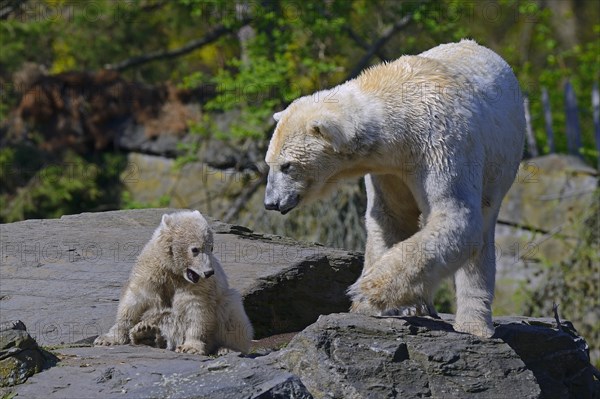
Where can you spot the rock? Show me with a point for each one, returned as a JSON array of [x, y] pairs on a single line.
[[238, 154], [215, 185], [63, 277], [148, 178], [20, 356], [539, 222], [558, 358], [342, 356], [356, 356], [550, 194], [133, 137], [144, 372]]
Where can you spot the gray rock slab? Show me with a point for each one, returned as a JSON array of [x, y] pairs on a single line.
[[356, 356], [144, 372], [63, 277]]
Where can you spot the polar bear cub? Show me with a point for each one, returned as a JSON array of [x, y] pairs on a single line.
[[177, 295], [438, 137]]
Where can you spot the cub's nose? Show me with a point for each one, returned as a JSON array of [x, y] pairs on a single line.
[[271, 206], [208, 273]]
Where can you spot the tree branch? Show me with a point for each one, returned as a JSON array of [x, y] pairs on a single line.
[[9, 7], [353, 35], [359, 40], [378, 44], [244, 197], [210, 37]]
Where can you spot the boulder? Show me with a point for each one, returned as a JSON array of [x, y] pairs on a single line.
[[20, 355], [63, 277], [356, 356], [550, 194], [538, 224], [144, 372]]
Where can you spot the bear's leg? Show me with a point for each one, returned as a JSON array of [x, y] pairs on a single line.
[[234, 330], [131, 308], [195, 321], [408, 274], [475, 289], [388, 222], [152, 329]]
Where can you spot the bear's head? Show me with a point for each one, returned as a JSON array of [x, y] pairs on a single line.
[[315, 145], [188, 240]]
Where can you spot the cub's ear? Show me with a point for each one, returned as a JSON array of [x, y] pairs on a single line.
[[166, 220], [331, 131], [277, 115]]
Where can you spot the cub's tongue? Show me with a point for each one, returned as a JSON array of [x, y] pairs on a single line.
[[192, 276]]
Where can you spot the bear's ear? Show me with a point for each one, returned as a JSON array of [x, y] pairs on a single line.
[[277, 115], [330, 131], [166, 220], [196, 213]]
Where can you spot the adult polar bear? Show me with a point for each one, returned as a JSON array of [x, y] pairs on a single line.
[[439, 137]]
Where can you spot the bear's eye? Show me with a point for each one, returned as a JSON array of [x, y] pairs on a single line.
[[285, 167], [195, 250]]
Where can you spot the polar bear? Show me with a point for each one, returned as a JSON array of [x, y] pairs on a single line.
[[438, 137], [179, 287]]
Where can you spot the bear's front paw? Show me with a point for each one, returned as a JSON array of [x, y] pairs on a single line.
[[387, 286], [195, 348], [378, 290], [413, 310]]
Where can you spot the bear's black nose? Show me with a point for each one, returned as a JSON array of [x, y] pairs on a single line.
[[208, 273], [271, 206]]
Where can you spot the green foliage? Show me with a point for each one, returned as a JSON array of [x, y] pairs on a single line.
[[38, 186], [295, 48], [129, 203], [289, 49], [444, 300]]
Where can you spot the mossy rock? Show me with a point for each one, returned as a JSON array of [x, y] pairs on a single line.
[[20, 355]]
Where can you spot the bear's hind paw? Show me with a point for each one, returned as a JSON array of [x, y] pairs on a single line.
[[147, 334], [479, 329]]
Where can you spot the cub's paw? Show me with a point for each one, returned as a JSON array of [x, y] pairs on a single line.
[[114, 336], [224, 351], [103, 340], [196, 349], [109, 339], [147, 334]]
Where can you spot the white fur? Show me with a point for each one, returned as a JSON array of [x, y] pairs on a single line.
[[161, 306], [439, 137]]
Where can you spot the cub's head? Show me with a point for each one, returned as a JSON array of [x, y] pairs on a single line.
[[188, 239], [314, 144]]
